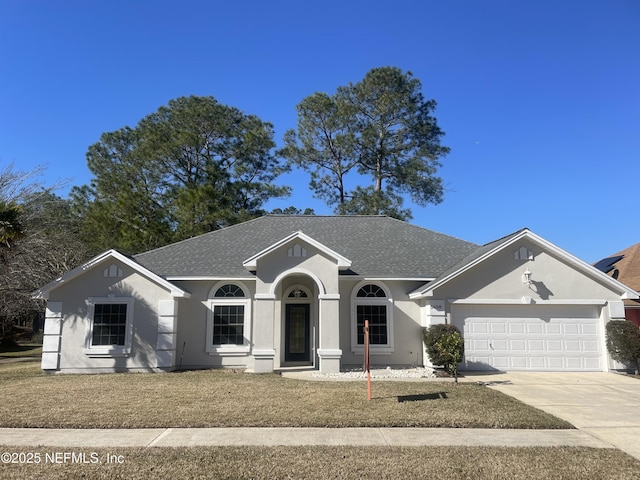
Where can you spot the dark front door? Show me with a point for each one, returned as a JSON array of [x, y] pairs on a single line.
[[296, 343]]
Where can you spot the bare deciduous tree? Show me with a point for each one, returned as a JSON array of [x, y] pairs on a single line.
[[47, 244]]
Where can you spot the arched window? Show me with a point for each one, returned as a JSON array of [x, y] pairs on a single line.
[[372, 301], [371, 290], [297, 293], [228, 323], [229, 290]]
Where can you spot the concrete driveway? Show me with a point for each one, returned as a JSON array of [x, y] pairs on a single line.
[[605, 405]]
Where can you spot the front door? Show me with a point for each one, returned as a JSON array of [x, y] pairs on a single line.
[[297, 333]]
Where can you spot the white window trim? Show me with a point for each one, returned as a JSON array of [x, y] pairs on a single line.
[[109, 351], [355, 301], [228, 350]]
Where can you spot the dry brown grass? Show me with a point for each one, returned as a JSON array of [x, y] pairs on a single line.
[[475, 463], [220, 398]]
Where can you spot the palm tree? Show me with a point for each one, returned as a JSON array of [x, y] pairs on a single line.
[[11, 229]]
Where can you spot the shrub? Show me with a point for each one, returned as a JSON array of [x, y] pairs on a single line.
[[445, 346], [623, 342]]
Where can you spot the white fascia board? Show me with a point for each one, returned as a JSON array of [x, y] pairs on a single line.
[[520, 301], [173, 278], [421, 293], [369, 278], [252, 262], [391, 279], [43, 292]]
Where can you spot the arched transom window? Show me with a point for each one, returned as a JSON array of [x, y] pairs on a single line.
[[229, 316], [372, 302], [297, 293], [371, 290], [229, 290]]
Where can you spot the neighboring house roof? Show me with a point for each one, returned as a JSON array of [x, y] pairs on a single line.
[[486, 251], [101, 260], [376, 246], [625, 266]]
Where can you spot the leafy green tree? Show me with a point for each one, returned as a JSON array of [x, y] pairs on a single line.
[[383, 129], [292, 211], [323, 145], [193, 166], [623, 342], [11, 228], [123, 206], [367, 201]]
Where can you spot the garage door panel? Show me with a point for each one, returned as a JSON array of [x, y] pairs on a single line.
[[516, 327], [533, 328], [574, 363], [479, 345], [571, 329], [480, 327], [591, 347], [555, 363], [572, 346], [535, 345], [592, 364], [500, 345], [554, 345], [554, 329], [589, 329], [501, 362], [498, 328], [537, 363], [531, 337]]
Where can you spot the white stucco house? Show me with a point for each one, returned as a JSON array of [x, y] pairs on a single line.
[[290, 291]]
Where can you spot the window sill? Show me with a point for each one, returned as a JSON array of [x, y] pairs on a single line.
[[373, 350], [228, 351], [107, 352]]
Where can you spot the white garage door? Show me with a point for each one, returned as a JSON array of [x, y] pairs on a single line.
[[530, 337]]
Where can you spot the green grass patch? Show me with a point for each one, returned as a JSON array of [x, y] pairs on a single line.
[[16, 350], [517, 463], [221, 398]]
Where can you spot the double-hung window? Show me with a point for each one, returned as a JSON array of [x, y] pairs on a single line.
[[110, 326], [228, 324], [372, 302]]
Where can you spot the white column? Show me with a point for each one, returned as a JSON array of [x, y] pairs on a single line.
[[614, 311], [167, 334], [435, 314], [263, 350], [329, 351], [51, 341]]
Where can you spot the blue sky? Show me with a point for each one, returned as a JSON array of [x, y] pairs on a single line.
[[539, 99]]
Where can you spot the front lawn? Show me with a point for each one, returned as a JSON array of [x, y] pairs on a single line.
[[221, 398], [473, 463]]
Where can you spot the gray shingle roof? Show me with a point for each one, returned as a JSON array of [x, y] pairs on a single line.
[[377, 246]]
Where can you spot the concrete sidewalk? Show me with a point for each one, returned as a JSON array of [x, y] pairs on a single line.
[[190, 437]]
